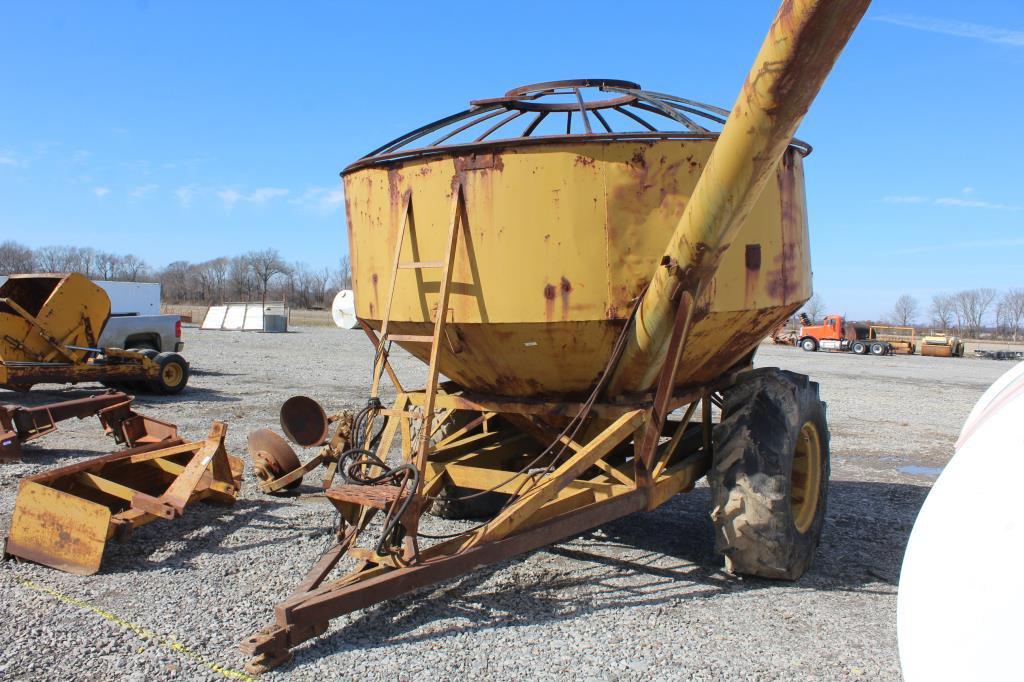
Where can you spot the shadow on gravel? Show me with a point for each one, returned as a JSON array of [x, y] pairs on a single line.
[[42, 396], [201, 531], [649, 559], [211, 373]]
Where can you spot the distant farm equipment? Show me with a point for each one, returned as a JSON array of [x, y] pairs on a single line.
[[942, 346], [837, 334], [50, 327]]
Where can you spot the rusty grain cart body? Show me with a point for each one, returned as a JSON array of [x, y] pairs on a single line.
[[578, 281], [50, 325]]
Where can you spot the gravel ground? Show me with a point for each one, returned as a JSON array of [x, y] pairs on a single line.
[[641, 597]]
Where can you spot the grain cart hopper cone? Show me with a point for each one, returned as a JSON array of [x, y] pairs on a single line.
[[304, 421], [64, 517], [577, 287], [49, 329]]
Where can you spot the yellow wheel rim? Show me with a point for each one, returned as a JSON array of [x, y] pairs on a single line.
[[805, 481], [171, 374]]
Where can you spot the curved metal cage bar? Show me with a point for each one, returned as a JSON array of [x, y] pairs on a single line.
[[602, 109]]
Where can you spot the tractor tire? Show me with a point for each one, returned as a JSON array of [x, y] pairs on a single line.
[[859, 348], [878, 348], [141, 386], [769, 478], [173, 375], [150, 353], [449, 503], [809, 345]]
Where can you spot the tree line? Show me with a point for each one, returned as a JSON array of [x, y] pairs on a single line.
[[252, 276]]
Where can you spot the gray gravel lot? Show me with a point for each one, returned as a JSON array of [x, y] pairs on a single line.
[[640, 597]]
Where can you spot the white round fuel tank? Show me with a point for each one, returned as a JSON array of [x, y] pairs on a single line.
[[961, 599], [343, 310]]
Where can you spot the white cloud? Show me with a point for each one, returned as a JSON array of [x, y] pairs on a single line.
[[263, 194], [260, 195], [905, 199], [952, 201], [960, 29], [185, 195], [143, 190], [324, 198], [7, 159], [229, 196], [974, 203], [101, 191]]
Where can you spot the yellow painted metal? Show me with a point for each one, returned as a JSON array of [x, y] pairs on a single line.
[[797, 54], [805, 491], [562, 236], [58, 529], [67, 309], [64, 517]]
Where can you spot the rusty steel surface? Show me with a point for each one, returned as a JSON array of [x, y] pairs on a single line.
[[64, 517], [303, 421], [21, 424], [559, 103], [562, 239], [271, 456]]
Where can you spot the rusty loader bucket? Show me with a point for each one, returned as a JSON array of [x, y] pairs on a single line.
[[63, 518]]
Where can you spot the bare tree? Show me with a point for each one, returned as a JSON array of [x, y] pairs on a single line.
[[319, 279], [904, 312], [815, 307], [106, 265], [53, 259], [1011, 308], [941, 310], [131, 268], [15, 258], [240, 278], [971, 306], [174, 281], [266, 265], [342, 277]]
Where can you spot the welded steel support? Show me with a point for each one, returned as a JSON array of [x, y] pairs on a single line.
[[800, 49]]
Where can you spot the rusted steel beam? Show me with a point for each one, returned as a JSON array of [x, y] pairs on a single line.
[[19, 424], [800, 49], [329, 602]]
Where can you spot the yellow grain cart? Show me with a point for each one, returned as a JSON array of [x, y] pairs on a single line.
[[593, 266], [49, 328]]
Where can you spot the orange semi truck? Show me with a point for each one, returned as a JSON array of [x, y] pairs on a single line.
[[837, 334]]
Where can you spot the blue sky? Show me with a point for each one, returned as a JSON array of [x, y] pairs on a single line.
[[191, 130]]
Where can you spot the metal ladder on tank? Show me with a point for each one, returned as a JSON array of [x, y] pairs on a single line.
[[457, 224]]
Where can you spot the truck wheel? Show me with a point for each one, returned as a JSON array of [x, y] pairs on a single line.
[[859, 348], [878, 348], [769, 478], [173, 374], [809, 345], [457, 503]]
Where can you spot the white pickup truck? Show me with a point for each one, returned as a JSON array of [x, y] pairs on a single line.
[[135, 319]]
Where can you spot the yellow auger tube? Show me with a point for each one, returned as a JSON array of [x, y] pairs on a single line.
[[800, 49]]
